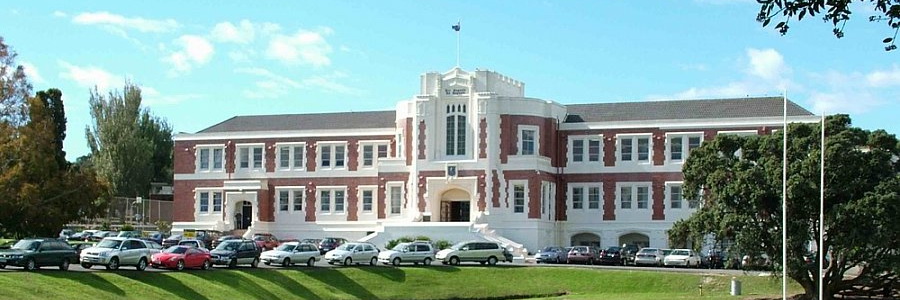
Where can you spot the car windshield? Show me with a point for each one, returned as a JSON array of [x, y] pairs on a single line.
[[681, 252], [286, 247], [580, 249], [27, 245], [400, 247], [176, 250], [346, 247], [231, 246], [107, 243], [648, 250], [549, 249], [259, 238]]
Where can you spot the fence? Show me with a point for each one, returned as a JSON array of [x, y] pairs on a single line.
[[139, 213]]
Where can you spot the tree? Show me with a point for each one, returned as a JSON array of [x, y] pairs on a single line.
[[52, 100], [126, 141], [836, 12], [14, 88], [740, 180]]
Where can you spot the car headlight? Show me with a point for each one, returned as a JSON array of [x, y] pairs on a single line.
[[104, 254]]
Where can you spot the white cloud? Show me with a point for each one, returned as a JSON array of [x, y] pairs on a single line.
[[90, 76], [271, 85], [60, 14], [152, 97], [243, 33], [767, 64], [32, 72], [195, 51], [303, 48], [329, 83], [884, 78], [119, 22], [854, 92]]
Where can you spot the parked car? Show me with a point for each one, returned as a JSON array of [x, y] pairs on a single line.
[[349, 253], [628, 252], [265, 241], [235, 252], [289, 253], [153, 245], [172, 240], [100, 235], [682, 258], [181, 257], [207, 237], [84, 235], [331, 243], [718, 259], [129, 234], [551, 254], [79, 246], [65, 234], [756, 262], [312, 241], [507, 255], [649, 256], [155, 236], [193, 243], [115, 252], [32, 254], [584, 255], [612, 256], [472, 251], [415, 253], [216, 242]]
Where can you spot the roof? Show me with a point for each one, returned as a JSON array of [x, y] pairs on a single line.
[[682, 109], [342, 120]]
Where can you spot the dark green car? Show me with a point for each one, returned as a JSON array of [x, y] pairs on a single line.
[[35, 253]]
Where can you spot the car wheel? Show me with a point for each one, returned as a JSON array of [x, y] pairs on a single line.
[[180, 265], [113, 264], [86, 266], [348, 261], [255, 263], [286, 262], [233, 263], [2, 266], [311, 262], [454, 261], [206, 265], [427, 261], [373, 261], [395, 261], [64, 266], [30, 265], [142, 264], [492, 261]]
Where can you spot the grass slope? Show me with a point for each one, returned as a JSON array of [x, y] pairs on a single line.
[[379, 283]]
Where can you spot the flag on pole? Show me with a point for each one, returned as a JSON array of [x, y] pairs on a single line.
[[456, 27]]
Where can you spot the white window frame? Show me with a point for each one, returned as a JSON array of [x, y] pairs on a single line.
[[375, 152], [293, 191], [519, 208], [536, 151], [685, 145], [633, 186], [250, 161], [210, 160], [332, 155], [635, 153], [586, 149], [585, 195], [211, 203], [670, 196], [362, 206], [332, 205], [292, 149], [389, 191], [455, 109]]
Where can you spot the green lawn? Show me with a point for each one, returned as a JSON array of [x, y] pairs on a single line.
[[468, 282]]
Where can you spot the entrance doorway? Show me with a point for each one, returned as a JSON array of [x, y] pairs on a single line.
[[455, 211], [244, 215]]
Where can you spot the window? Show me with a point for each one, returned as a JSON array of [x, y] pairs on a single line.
[[594, 150], [675, 196], [332, 200], [204, 202], [290, 156], [371, 151], [325, 201], [675, 148], [209, 158], [586, 149], [527, 138], [629, 152], [642, 197], [339, 201], [694, 202], [367, 200], [594, 198], [250, 157], [297, 199], [456, 129], [680, 146], [578, 150], [332, 156], [578, 198], [519, 198], [382, 151], [625, 197], [217, 201], [395, 199], [284, 197]]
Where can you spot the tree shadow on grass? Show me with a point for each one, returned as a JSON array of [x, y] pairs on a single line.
[[88, 279], [442, 268], [237, 282], [164, 282], [285, 282], [337, 280], [394, 274]]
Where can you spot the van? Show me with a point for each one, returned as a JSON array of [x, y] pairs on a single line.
[[472, 251]]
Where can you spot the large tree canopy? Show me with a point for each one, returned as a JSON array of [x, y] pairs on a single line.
[[740, 180], [837, 12]]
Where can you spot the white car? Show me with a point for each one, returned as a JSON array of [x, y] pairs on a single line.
[[416, 252], [350, 253], [288, 254], [649, 256], [682, 258], [116, 252]]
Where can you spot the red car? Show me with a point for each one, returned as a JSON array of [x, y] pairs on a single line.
[[181, 257], [266, 241]]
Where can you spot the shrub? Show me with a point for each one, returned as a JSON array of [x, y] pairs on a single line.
[[127, 227], [442, 244], [404, 239]]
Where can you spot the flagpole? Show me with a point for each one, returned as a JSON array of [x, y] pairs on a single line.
[[822, 214], [784, 203], [457, 43]]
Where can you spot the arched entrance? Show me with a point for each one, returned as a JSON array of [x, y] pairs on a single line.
[[243, 214], [639, 239], [585, 239], [455, 206]]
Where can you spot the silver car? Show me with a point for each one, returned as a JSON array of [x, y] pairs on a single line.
[[551, 254], [416, 252], [290, 253], [350, 253], [649, 257], [115, 252]]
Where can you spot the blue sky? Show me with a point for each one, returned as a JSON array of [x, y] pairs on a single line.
[[202, 62]]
